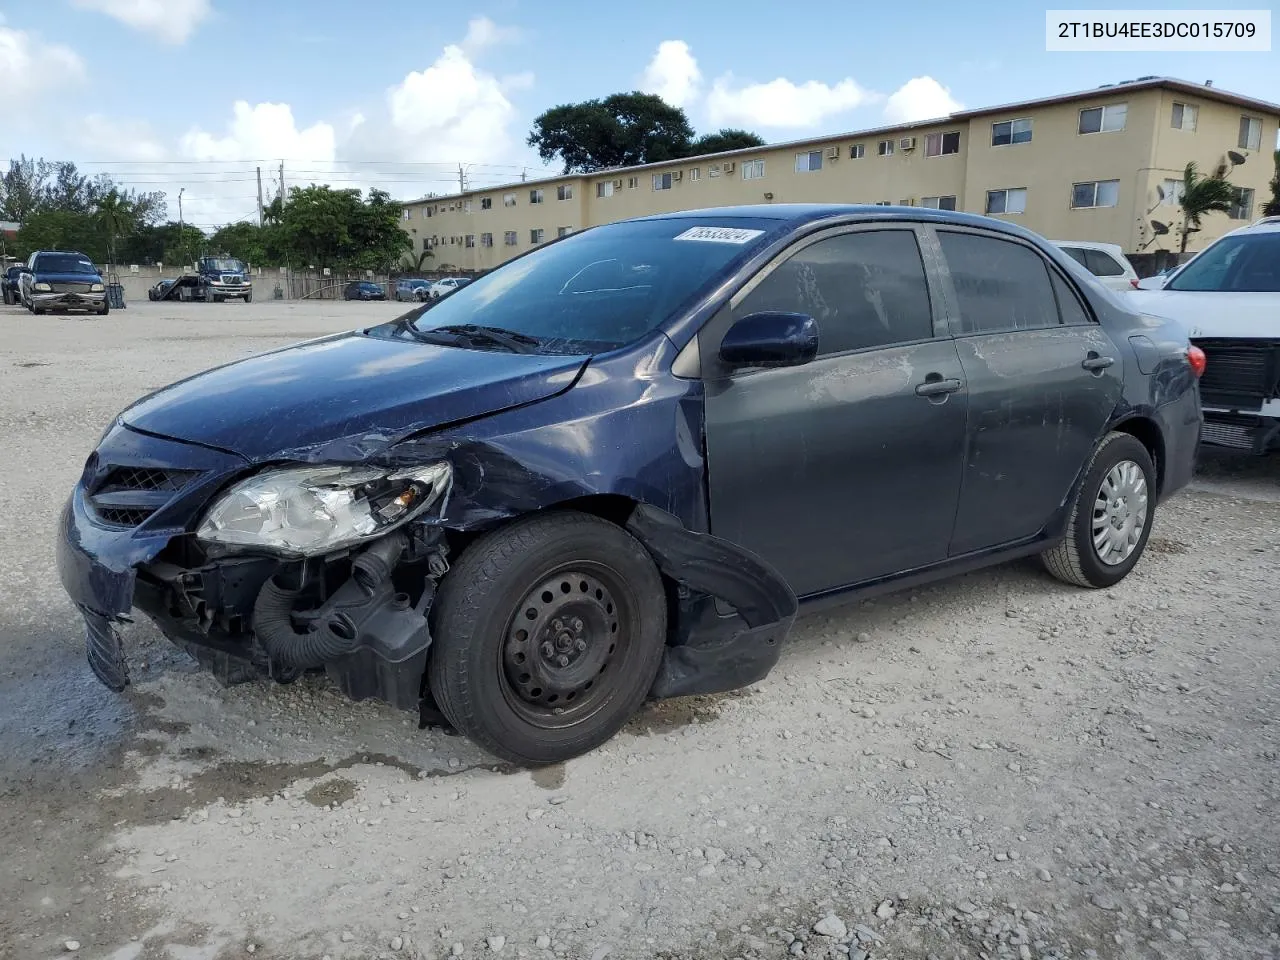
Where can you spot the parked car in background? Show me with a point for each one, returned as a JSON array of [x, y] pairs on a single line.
[[446, 286], [62, 280], [158, 290], [408, 289], [1157, 281], [1227, 298], [224, 278], [1106, 261], [363, 290], [9, 284], [612, 469]]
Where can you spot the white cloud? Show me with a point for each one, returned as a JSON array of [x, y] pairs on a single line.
[[483, 32], [171, 21], [920, 98], [263, 130], [451, 111], [30, 67], [781, 103], [673, 74]]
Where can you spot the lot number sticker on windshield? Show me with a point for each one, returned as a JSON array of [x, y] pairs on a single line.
[[719, 234]]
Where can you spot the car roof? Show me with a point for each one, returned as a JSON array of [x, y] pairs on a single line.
[[800, 214]]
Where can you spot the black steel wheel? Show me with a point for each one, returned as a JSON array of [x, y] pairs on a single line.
[[547, 635]]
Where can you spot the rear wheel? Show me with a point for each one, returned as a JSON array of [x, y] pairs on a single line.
[[547, 636], [1111, 517]]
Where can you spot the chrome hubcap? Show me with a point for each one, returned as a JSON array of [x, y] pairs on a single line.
[[1120, 513]]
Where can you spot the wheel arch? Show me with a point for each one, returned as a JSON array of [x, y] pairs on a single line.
[[1147, 432]]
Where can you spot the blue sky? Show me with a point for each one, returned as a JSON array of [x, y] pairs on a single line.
[[196, 93]]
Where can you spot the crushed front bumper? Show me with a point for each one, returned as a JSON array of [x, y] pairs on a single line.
[[68, 301]]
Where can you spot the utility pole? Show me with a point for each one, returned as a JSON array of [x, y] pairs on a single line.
[[182, 229], [462, 180], [282, 181], [259, 196]]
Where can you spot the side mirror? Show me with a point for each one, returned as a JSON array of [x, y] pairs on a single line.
[[770, 339]]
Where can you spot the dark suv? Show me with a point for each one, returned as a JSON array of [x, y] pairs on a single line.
[[62, 280], [615, 467]]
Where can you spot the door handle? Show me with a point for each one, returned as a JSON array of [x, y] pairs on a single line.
[[1097, 363], [935, 386]]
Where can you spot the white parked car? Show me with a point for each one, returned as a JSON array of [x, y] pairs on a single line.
[[1228, 299], [1106, 261], [446, 285]]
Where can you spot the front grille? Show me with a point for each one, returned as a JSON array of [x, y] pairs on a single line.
[[1239, 375], [70, 287], [127, 496], [232, 280]]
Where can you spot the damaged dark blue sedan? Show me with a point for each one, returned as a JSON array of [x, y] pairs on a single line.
[[615, 467]]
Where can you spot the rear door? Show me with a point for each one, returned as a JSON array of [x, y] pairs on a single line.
[[1043, 381], [846, 468]]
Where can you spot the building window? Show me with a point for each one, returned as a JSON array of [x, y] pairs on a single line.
[[884, 203], [1108, 119], [885, 148], [1250, 133], [564, 191], [941, 144], [633, 182], [662, 181], [428, 212], [508, 199], [486, 203], [1172, 193], [486, 239], [806, 162], [426, 243], [857, 151], [604, 189], [1095, 193], [466, 206], [563, 231], [536, 235], [1010, 131], [535, 196], [509, 238], [471, 240], [938, 203], [1242, 204], [752, 169], [695, 173], [1185, 116], [1011, 200], [408, 214]]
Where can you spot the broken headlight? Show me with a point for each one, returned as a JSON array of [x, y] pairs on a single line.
[[305, 511]]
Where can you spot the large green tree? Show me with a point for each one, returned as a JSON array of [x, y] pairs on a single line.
[[1202, 194], [621, 130], [724, 139], [1272, 207]]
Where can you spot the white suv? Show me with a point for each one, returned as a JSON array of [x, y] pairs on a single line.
[[1106, 261], [1228, 299]]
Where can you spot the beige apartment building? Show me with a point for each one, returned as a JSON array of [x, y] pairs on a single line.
[[1080, 166]]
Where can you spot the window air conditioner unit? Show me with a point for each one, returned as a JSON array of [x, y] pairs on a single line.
[[728, 167], [833, 153], [676, 176], [907, 143]]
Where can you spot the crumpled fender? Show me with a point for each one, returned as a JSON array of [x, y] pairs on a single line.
[[707, 564]]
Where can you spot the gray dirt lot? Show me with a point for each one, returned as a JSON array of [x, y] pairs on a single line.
[[999, 766]]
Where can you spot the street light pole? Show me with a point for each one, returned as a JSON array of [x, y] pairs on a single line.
[[182, 230]]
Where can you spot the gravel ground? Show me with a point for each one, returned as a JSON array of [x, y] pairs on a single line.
[[999, 766]]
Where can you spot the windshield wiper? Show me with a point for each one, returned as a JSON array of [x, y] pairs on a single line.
[[480, 333]]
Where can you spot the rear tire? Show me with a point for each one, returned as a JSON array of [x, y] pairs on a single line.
[[548, 634], [1104, 541]]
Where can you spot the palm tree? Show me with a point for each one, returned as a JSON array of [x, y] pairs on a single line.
[[414, 264], [116, 214], [1202, 194], [1272, 206]]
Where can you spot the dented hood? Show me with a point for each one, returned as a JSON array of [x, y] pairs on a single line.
[[347, 396]]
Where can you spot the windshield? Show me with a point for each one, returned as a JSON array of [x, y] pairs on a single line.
[[602, 288], [1245, 263], [224, 265], [64, 263]]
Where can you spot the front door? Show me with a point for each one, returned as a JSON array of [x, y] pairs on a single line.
[[1043, 380], [847, 468]]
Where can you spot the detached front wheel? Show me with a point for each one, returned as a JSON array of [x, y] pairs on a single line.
[[547, 636]]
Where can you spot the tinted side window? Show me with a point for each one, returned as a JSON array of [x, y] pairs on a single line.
[[865, 289], [1076, 254], [1000, 285], [1068, 303]]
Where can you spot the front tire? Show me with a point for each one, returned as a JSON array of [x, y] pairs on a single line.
[[248, 298], [1111, 517], [548, 634]]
